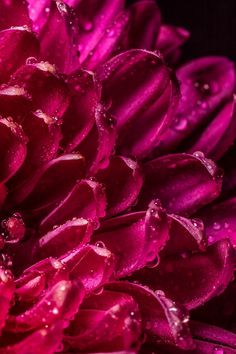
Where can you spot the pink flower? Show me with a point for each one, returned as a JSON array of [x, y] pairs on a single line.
[[113, 238]]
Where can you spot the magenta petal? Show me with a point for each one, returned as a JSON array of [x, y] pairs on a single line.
[[13, 13], [220, 221], [145, 21], [206, 273], [48, 91], [170, 40], [142, 95], [44, 340], [98, 145], [65, 237], [136, 239], [206, 83], [61, 51], [39, 191], [12, 148], [16, 45], [122, 180], [94, 18], [61, 301], [30, 286], [219, 134], [161, 317], [14, 102], [92, 266], [6, 294], [100, 322], [183, 182], [86, 200], [80, 115]]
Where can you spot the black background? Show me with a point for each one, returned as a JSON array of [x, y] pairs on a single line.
[[212, 24]]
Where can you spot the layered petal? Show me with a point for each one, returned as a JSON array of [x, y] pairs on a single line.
[[108, 321], [123, 181], [61, 51], [6, 294], [87, 200], [206, 273], [8, 8], [136, 239], [16, 45], [219, 134], [142, 95], [93, 266], [169, 42], [161, 317], [65, 237], [206, 83], [14, 102], [48, 91], [183, 182], [12, 148]]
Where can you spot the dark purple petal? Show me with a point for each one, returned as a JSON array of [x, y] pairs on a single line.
[[13, 13], [80, 115], [60, 302], [136, 239], [48, 91], [219, 134], [94, 19], [3, 194], [183, 182], [161, 317], [46, 340], [64, 238], [169, 42], [92, 266], [145, 21], [123, 181], [220, 221], [40, 192], [14, 102], [16, 45], [12, 148], [100, 322], [206, 273], [60, 50], [6, 294], [86, 200], [98, 145], [206, 83], [141, 94]]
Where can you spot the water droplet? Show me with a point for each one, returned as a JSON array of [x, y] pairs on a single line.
[[31, 60], [62, 7], [47, 9], [55, 311], [199, 154], [88, 26], [218, 350], [226, 225], [110, 32], [216, 226], [198, 224], [154, 262], [100, 244], [180, 124], [99, 291]]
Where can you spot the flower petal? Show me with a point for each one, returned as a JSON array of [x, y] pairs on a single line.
[[161, 317], [206, 84], [136, 239], [65, 237], [14, 102], [219, 134], [220, 221], [40, 192], [80, 115], [48, 91], [92, 266], [183, 182], [16, 45], [170, 40], [61, 301], [86, 200], [12, 148], [6, 294], [142, 95], [100, 322], [207, 274], [122, 191], [61, 51], [13, 13], [98, 145]]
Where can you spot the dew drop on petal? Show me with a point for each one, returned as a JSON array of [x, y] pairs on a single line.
[[216, 226]]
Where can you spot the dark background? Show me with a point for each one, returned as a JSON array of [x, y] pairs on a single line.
[[212, 24]]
